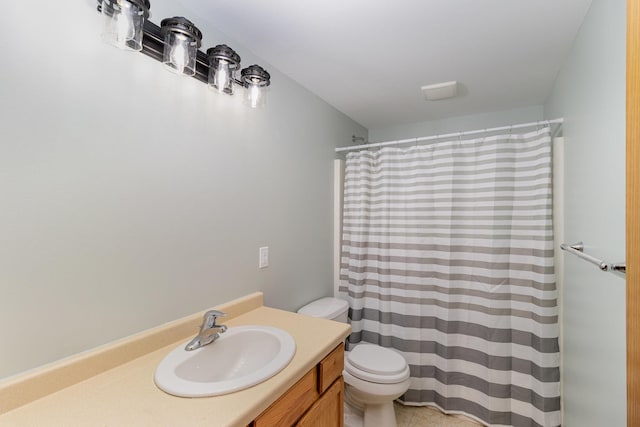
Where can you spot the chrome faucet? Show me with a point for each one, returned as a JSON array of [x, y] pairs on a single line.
[[209, 331]]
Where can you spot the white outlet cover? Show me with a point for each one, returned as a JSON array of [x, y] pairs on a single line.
[[263, 257]]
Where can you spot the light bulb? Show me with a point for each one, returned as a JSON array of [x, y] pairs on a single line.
[[255, 79], [255, 95], [223, 63], [222, 76], [123, 23], [179, 56], [125, 28], [181, 42]]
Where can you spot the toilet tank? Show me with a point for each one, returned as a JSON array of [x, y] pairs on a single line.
[[327, 308]]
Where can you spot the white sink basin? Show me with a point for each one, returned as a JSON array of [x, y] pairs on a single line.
[[243, 356]]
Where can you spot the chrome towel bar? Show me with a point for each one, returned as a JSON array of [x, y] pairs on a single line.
[[578, 250]]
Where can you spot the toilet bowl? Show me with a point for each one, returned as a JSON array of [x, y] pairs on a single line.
[[374, 376]]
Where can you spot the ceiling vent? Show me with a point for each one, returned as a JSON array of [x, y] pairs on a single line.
[[440, 91]]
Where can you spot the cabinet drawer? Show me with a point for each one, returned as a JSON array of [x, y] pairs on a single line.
[[285, 411], [330, 368]]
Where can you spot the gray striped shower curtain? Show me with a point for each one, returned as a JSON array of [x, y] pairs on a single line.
[[447, 257]]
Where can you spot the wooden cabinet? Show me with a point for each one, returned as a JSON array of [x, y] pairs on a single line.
[[291, 405], [317, 400], [328, 409]]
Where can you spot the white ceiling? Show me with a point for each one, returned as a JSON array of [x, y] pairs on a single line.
[[369, 58]]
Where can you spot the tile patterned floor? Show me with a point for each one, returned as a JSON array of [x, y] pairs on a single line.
[[424, 416]]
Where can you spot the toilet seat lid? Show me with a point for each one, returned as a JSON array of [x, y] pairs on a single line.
[[377, 360]]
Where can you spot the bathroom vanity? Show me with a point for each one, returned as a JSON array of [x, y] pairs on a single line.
[[316, 400], [114, 386]]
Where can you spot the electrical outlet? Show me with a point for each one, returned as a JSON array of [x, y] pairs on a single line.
[[263, 258]]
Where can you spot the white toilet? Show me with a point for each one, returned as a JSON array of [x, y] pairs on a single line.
[[374, 376]]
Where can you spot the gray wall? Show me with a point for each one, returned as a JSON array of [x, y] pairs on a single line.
[[456, 124], [590, 94], [131, 196]]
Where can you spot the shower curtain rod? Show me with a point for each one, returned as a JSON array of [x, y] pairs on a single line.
[[453, 135]]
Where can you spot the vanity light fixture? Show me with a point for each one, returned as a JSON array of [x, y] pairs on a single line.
[[255, 79], [182, 40], [223, 64], [176, 43], [124, 22]]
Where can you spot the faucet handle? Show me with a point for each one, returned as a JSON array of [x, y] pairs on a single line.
[[210, 318]]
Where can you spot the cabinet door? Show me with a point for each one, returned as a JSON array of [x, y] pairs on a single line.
[[328, 411], [330, 368], [286, 410]]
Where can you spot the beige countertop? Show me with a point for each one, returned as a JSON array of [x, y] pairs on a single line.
[[127, 396]]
